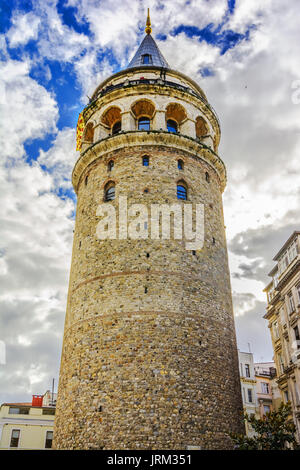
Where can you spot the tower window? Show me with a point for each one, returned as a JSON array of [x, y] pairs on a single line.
[[110, 165], [145, 161], [146, 59], [181, 191], [144, 124], [180, 165], [110, 192], [207, 177], [172, 125], [116, 128]]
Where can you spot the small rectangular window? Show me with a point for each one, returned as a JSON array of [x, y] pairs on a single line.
[[291, 303], [247, 369], [15, 437], [250, 395], [264, 387], [145, 161], [18, 411], [49, 439], [146, 59], [50, 411], [298, 292], [297, 336]]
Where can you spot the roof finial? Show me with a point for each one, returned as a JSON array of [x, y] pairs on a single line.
[[148, 28]]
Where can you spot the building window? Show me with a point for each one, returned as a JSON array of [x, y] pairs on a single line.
[[15, 437], [180, 164], [18, 411], [298, 292], [116, 128], [281, 363], [145, 161], [247, 370], [250, 399], [264, 387], [207, 177], [297, 336], [109, 192], [291, 303], [144, 124], [275, 330], [288, 256], [172, 125], [267, 409], [146, 59], [110, 165], [181, 191], [286, 396], [49, 439], [49, 411]]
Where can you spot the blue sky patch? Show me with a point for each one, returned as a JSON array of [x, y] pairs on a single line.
[[68, 14], [212, 35]]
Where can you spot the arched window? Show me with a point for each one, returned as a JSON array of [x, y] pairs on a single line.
[[180, 164], [201, 127], [110, 119], [181, 190], [145, 160], [89, 132], [109, 191], [110, 165], [172, 125], [175, 116], [116, 128], [144, 124]]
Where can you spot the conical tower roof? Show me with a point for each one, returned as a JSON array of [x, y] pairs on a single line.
[[148, 53], [148, 48]]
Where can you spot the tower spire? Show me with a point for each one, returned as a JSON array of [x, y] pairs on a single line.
[[148, 28]]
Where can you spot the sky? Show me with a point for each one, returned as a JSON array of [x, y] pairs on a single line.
[[53, 54]]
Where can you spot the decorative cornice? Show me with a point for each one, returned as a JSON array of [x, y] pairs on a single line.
[[287, 276], [154, 138]]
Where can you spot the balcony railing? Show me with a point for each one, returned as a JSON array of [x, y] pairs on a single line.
[[152, 81]]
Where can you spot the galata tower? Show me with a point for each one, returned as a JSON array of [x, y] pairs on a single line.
[[149, 357]]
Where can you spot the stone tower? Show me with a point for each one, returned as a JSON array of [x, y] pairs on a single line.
[[149, 356]]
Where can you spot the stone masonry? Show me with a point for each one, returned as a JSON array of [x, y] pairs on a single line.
[[149, 356]]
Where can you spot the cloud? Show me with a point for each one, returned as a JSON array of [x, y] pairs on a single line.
[[250, 86], [60, 158], [28, 110], [252, 330], [36, 239], [24, 28]]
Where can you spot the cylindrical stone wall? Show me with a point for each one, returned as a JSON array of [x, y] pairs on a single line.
[[149, 356]]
